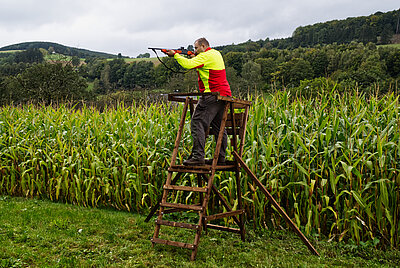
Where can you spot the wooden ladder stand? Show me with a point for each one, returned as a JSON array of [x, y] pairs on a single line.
[[234, 120]]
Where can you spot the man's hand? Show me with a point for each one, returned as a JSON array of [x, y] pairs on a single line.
[[169, 52]]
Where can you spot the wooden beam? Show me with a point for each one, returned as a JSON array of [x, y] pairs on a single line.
[[172, 243], [223, 215], [183, 206], [178, 224], [223, 228], [275, 204], [185, 188]]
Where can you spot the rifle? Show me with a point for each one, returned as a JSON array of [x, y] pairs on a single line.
[[180, 50]]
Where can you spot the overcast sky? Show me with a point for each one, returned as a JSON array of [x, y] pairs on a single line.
[[130, 26]]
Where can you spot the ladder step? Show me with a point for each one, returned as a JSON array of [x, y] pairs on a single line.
[[172, 210], [223, 228], [205, 169], [172, 243], [223, 215], [178, 224], [188, 207], [185, 188]]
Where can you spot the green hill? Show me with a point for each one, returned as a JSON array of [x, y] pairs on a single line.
[[379, 28], [58, 48]]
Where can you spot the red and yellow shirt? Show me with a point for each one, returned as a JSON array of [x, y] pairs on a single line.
[[210, 70]]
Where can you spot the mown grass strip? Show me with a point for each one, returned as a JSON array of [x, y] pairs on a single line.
[[40, 233]]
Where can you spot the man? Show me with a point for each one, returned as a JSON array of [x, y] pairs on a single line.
[[210, 68]]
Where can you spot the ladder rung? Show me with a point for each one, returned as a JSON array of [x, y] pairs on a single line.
[[223, 215], [225, 167], [205, 169], [172, 210], [183, 206], [178, 224], [185, 188], [172, 243], [223, 228]]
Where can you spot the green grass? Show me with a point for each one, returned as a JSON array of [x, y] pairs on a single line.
[[39, 233], [58, 57], [130, 60], [10, 51], [391, 45]]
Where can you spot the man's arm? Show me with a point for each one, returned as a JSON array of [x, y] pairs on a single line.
[[192, 63], [196, 62]]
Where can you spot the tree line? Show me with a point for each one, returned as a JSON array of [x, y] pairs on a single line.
[[26, 76], [378, 28]]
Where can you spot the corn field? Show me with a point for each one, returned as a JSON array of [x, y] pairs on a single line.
[[332, 162]]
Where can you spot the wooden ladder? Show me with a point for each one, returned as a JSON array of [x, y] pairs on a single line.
[[235, 124]]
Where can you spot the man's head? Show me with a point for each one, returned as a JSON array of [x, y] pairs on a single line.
[[200, 45]]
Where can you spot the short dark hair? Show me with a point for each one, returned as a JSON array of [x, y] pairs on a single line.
[[202, 41]]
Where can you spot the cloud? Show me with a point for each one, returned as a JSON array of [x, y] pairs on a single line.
[[129, 27], [29, 14]]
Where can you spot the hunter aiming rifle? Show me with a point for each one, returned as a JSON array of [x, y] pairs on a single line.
[[180, 50]]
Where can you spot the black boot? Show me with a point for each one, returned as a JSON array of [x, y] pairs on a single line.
[[221, 161], [193, 162]]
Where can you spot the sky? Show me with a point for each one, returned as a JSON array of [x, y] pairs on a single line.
[[129, 27]]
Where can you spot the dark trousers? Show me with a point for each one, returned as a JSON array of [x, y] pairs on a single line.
[[208, 112]]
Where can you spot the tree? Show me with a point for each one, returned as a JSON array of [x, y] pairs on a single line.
[[393, 64], [95, 66], [46, 83], [117, 70], [234, 80], [372, 70], [128, 81], [268, 66], [32, 55], [75, 61], [105, 85], [295, 70], [319, 62], [145, 55], [251, 73], [144, 73], [235, 60]]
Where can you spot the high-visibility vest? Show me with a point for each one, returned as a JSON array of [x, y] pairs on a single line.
[[210, 70]]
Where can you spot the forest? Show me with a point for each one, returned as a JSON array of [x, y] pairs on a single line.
[[27, 77], [378, 28]]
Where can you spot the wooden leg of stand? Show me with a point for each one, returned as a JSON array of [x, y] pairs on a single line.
[[275, 204], [240, 204]]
